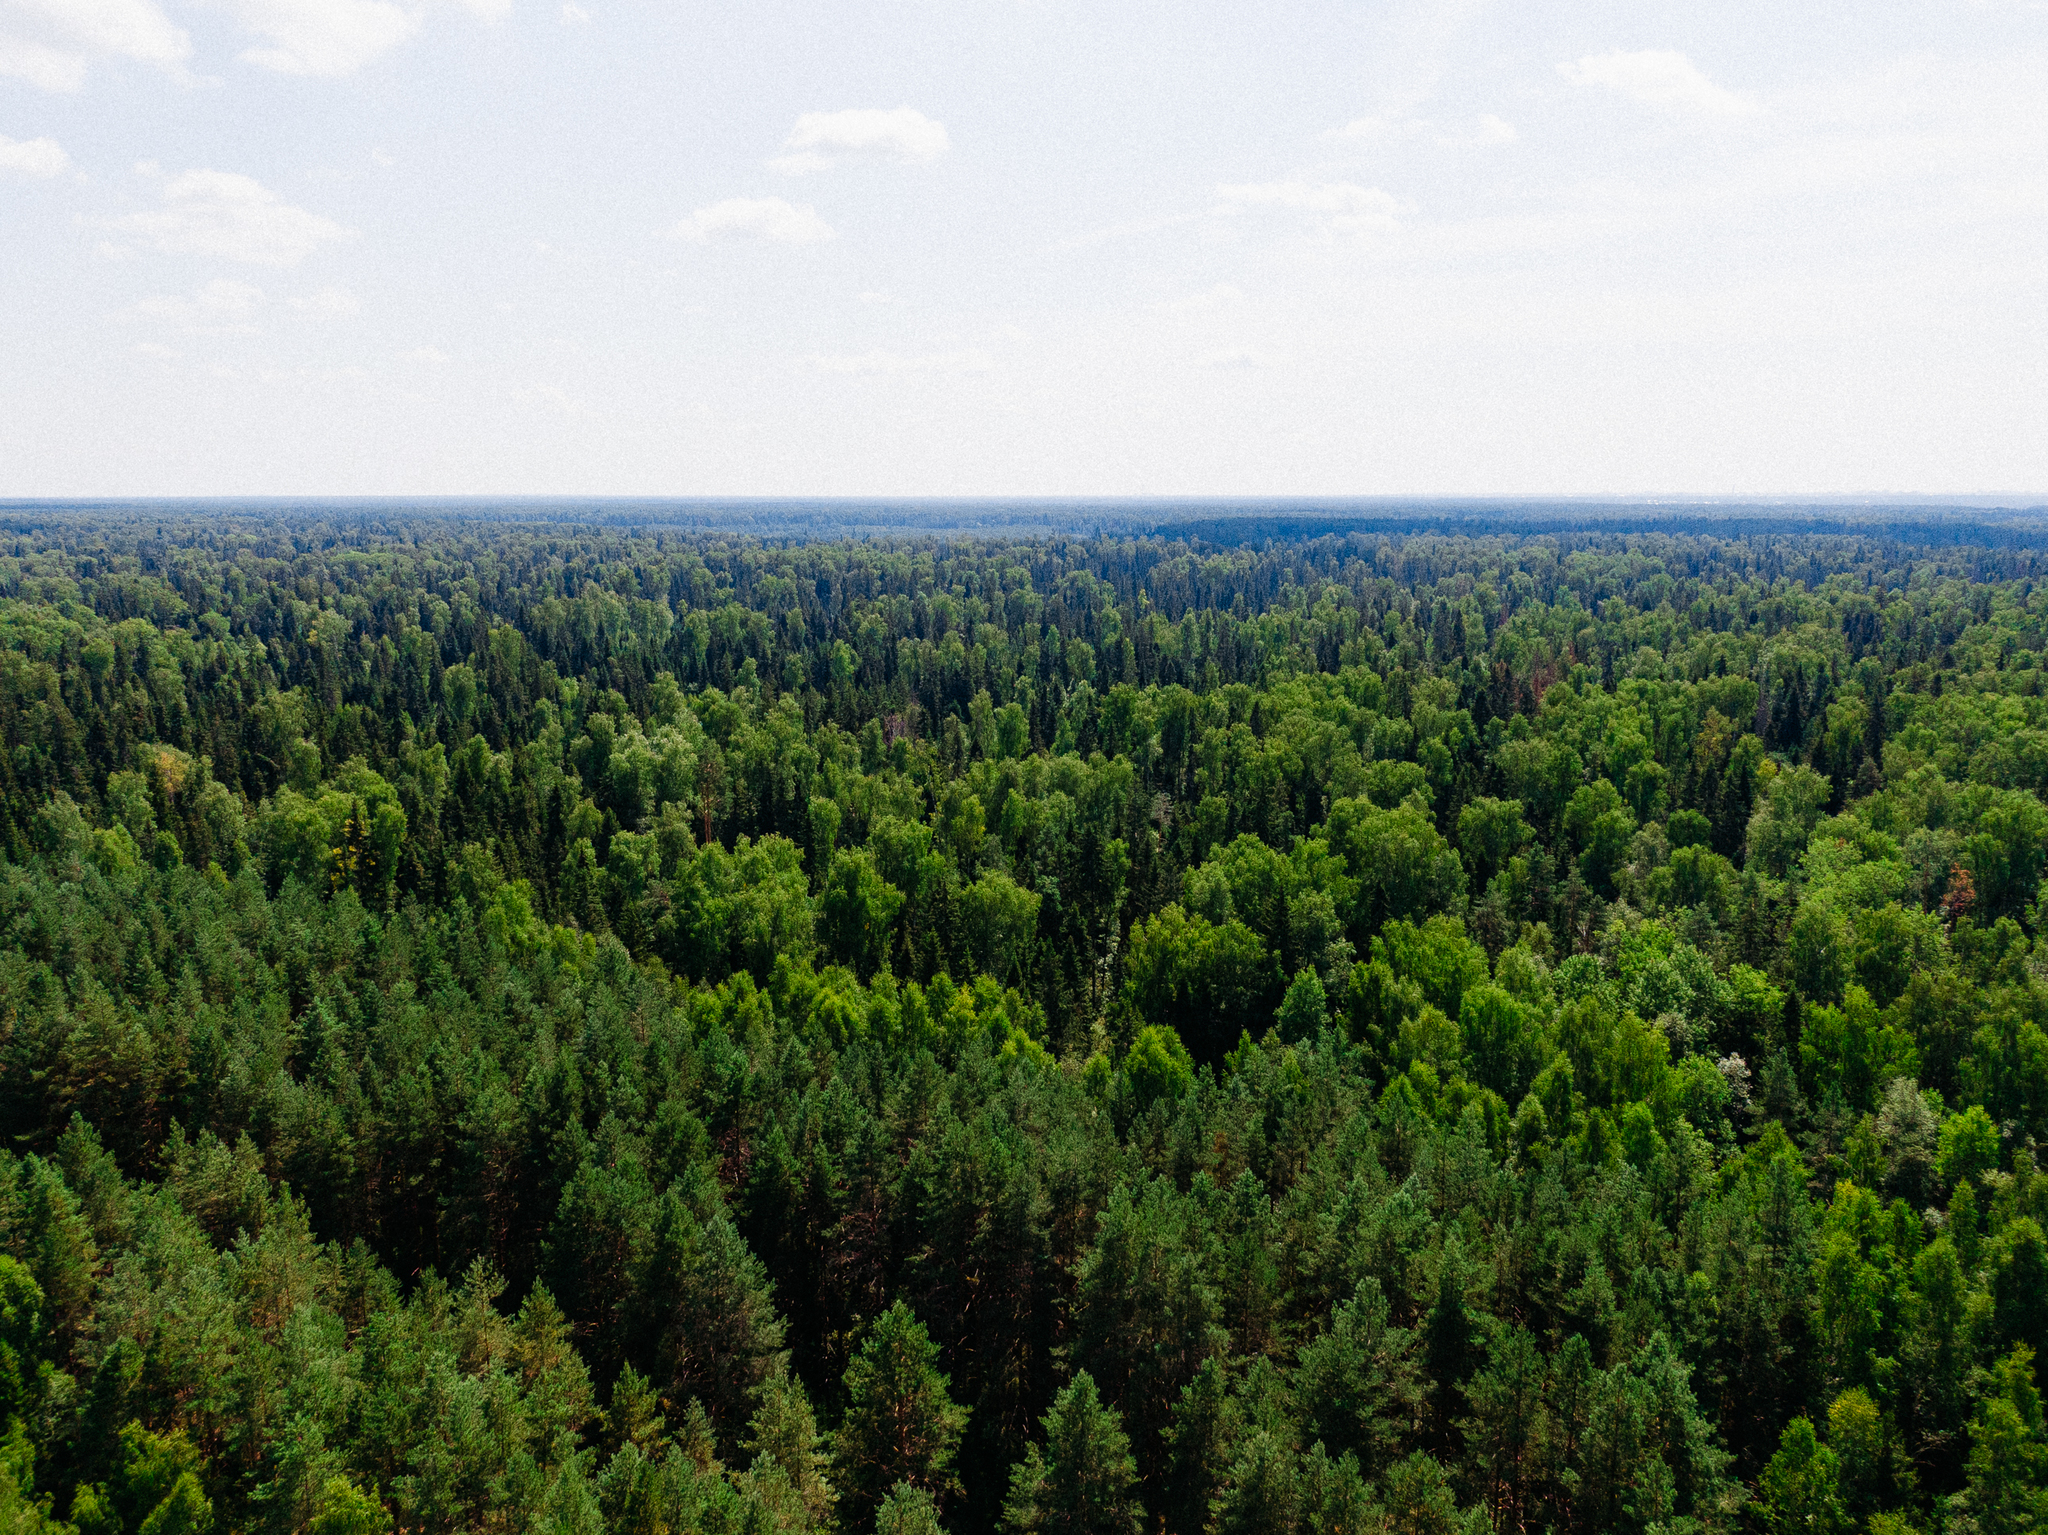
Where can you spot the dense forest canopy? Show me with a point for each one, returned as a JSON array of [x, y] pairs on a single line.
[[518, 1026]]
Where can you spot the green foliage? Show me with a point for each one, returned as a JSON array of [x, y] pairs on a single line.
[[784, 1441], [156, 1487], [1157, 1066], [900, 1427], [1349, 1033], [21, 1512], [856, 911], [1209, 983], [1969, 1146], [1491, 831], [908, 1510], [1305, 1008], [22, 1340], [346, 1509], [2008, 1464], [1798, 1491], [1404, 870], [1147, 1313], [1084, 1479], [1854, 1050], [1001, 920], [1361, 1381]]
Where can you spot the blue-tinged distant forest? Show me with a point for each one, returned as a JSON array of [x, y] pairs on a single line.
[[510, 1025]]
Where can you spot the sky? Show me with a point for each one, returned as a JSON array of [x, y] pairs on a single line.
[[1022, 247]]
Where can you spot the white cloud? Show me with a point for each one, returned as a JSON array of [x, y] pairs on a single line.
[[1377, 130], [972, 360], [155, 349], [877, 296], [1657, 77], [1344, 204], [822, 139], [573, 15], [219, 213], [334, 301], [1484, 134], [222, 307], [760, 218], [51, 69], [432, 356], [1309, 196], [41, 158], [1230, 360], [50, 43], [323, 37], [336, 37]]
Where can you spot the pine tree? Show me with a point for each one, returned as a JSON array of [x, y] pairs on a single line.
[[1358, 1382], [635, 1415], [707, 1298], [558, 1395], [345, 1509], [1084, 1482], [908, 1510], [1451, 1343], [1262, 1493], [784, 1434], [1205, 1421], [1509, 1433], [900, 1424]]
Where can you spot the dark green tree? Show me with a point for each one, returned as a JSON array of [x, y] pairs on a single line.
[[1084, 1480], [900, 1425]]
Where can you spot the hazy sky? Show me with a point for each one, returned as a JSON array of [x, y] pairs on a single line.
[[305, 246]]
